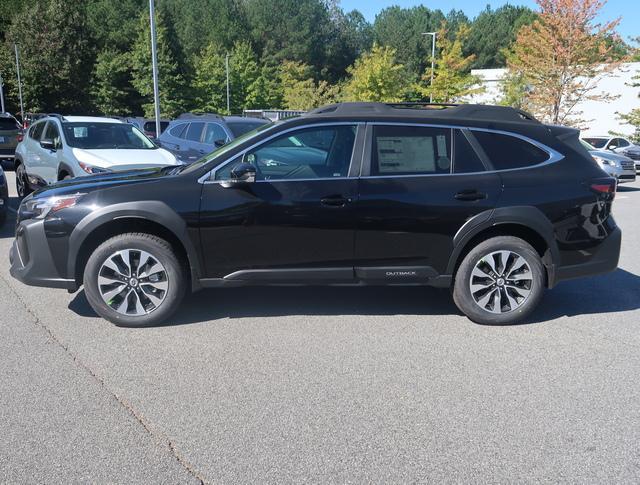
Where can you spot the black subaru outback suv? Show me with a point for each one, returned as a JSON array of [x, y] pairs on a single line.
[[484, 200]]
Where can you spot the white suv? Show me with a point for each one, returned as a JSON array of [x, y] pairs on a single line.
[[57, 148]]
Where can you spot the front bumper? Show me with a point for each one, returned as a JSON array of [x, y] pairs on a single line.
[[604, 259], [31, 260]]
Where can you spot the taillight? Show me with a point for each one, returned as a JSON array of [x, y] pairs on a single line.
[[604, 186]]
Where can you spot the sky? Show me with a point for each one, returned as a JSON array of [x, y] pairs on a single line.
[[629, 10]]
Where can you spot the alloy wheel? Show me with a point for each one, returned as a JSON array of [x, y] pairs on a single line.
[[501, 282], [133, 282]]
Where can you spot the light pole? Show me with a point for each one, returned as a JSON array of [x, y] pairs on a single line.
[[154, 66], [433, 59], [15, 46], [226, 61]]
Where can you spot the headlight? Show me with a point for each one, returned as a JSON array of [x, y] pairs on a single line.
[[603, 161], [91, 169], [39, 208]]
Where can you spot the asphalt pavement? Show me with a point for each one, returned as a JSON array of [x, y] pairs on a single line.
[[331, 385]]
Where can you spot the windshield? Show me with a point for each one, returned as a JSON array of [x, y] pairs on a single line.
[[240, 128], [588, 146], [217, 156], [105, 136], [596, 142]]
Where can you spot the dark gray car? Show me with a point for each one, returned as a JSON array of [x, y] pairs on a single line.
[[192, 136], [10, 133]]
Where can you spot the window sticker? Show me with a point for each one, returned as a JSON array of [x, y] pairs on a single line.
[[80, 132], [406, 154]]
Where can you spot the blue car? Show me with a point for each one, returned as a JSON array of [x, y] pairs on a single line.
[[191, 136]]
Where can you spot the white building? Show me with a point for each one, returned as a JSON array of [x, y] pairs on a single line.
[[602, 114]]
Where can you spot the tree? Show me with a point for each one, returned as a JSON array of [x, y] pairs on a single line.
[[492, 31], [56, 56], [562, 55], [633, 117], [376, 76], [402, 29], [246, 78], [300, 91], [172, 84], [111, 85], [451, 78]]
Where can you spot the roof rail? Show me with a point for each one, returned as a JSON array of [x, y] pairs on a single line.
[[412, 104], [186, 116], [56, 115]]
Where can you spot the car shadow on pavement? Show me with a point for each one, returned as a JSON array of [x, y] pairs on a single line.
[[616, 292]]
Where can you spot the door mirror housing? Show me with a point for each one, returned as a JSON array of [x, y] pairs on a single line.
[[241, 174], [220, 143], [48, 144], [613, 147]]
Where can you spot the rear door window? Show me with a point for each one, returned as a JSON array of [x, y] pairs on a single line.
[[508, 152], [214, 133], [411, 150], [194, 132]]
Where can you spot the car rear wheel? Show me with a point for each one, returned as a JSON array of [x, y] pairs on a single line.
[[134, 280], [22, 184], [500, 282]]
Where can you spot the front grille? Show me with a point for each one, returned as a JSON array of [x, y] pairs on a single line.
[[7, 151], [627, 177], [633, 155], [628, 165]]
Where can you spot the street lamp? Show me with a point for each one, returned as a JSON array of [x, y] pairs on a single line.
[[19, 84], [154, 66], [433, 59]]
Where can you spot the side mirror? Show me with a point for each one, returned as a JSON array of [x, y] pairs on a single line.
[[220, 143], [48, 144], [241, 174], [612, 147]]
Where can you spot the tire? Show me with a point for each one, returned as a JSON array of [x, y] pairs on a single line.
[[519, 293], [131, 300], [64, 176], [22, 183]]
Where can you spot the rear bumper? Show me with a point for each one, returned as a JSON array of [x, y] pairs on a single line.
[[604, 260], [31, 260]]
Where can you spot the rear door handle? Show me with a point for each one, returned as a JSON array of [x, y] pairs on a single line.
[[335, 201], [470, 195]]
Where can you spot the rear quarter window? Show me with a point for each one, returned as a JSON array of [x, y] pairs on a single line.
[[508, 152]]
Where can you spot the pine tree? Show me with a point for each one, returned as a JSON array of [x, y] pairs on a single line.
[[451, 77], [174, 95]]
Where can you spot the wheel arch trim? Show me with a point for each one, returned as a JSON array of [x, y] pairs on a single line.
[[153, 211], [529, 217]]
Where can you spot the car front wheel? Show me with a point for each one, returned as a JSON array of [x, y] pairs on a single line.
[[500, 282], [134, 280], [22, 184]]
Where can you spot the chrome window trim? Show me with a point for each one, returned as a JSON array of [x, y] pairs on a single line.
[[207, 177], [554, 156]]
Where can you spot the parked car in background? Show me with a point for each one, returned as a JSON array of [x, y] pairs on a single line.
[[4, 197], [484, 200], [31, 118], [616, 144], [147, 126], [10, 136], [614, 164], [57, 148], [192, 136]]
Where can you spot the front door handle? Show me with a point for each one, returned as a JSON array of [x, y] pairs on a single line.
[[335, 201], [470, 195]]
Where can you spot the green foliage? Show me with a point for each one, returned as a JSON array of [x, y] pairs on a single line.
[[452, 79], [376, 76], [111, 85], [55, 62], [514, 89], [633, 117], [402, 29], [172, 84], [492, 31], [300, 91]]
